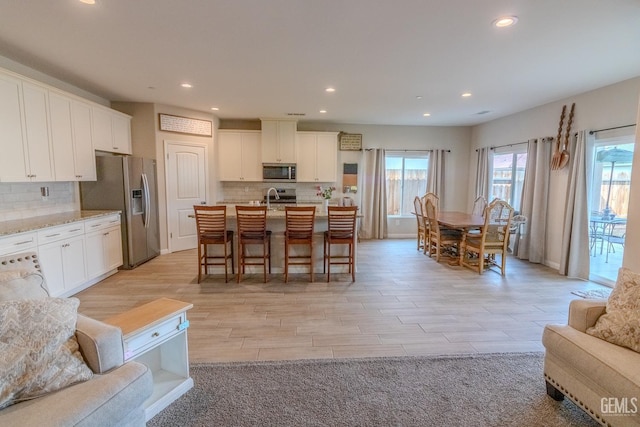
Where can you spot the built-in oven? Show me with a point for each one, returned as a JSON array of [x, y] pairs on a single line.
[[279, 172]]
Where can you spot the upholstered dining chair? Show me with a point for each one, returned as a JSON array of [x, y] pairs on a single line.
[[299, 222], [479, 251], [211, 226], [252, 230], [440, 239], [341, 231], [422, 224]]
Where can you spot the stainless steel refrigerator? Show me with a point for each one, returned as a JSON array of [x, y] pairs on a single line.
[[127, 184]]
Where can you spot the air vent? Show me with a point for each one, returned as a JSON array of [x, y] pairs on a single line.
[[297, 114], [479, 113]]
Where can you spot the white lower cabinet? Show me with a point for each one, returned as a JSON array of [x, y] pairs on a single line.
[[72, 256], [63, 264], [103, 246]]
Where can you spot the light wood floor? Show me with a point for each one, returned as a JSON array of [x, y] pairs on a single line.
[[402, 303]]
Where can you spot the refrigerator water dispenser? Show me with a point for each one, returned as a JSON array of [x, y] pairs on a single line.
[[136, 202]]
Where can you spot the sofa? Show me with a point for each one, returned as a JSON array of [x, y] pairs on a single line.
[[583, 364], [115, 392]]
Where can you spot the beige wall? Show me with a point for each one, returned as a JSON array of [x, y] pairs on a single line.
[[610, 106]]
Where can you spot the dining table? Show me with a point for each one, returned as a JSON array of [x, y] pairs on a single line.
[[461, 221]]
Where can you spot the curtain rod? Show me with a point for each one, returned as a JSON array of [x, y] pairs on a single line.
[[591, 132], [405, 151], [493, 147]]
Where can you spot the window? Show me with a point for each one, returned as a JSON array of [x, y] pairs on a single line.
[[406, 176], [507, 175]]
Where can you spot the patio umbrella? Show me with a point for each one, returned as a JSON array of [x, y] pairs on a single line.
[[613, 155]]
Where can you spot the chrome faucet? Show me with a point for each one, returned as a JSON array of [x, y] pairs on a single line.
[[269, 198]]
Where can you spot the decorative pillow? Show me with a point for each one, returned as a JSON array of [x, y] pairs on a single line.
[[621, 322], [39, 350], [22, 284]]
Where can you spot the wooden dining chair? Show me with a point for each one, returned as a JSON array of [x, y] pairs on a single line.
[[211, 226], [422, 224], [440, 239], [252, 230], [341, 231], [299, 222], [479, 251]]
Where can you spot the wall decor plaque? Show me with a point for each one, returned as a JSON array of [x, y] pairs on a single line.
[[185, 125], [350, 141]]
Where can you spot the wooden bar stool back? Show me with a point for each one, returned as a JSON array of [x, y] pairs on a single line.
[[211, 225], [299, 222], [252, 230], [341, 231]]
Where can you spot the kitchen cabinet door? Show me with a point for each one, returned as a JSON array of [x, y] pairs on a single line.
[[37, 139], [84, 154], [278, 141], [103, 251], [111, 131], [306, 160], [317, 156], [13, 162], [62, 137], [327, 157], [239, 156], [73, 154], [63, 265]]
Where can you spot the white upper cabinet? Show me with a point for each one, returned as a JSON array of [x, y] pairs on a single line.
[[239, 156], [13, 162], [279, 141], [111, 131], [73, 153], [317, 156]]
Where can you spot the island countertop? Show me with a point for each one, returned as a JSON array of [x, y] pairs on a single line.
[[38, 222]]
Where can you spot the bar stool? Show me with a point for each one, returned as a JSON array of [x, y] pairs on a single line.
[[211, 225], [299, 223], [252, 230], [342, 231]]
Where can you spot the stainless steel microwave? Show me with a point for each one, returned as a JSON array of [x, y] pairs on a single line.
[[279, 172]]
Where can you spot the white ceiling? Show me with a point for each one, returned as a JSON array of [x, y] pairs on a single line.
[[267, 58]]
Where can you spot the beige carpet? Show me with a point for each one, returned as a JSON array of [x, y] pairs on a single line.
[[478, 390]]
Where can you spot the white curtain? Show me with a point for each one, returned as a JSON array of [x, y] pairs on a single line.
[[482, 172], [435, 179], [535, 195], [574, 259], [374, 196]]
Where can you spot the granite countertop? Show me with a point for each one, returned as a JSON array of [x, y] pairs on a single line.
[[38, 222]]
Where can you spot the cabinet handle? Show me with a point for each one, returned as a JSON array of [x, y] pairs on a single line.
[[52, 235], [74, 230], [23, 243], [95, 225], [105, 234], [115, 148], [155, 334]]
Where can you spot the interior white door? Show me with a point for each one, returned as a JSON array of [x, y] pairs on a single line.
[[186, 186]]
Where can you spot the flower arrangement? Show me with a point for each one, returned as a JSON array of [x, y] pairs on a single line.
[[325, 193]]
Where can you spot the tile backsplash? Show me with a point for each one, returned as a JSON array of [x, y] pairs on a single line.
[[24, 199], [247, 191]]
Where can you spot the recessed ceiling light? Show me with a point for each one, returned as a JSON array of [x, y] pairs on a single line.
[[427, 114], [88, 1], [418, 97], [330, 90], [466, 94], [323, 111], [505, 21], [186, 85], [215, 108]]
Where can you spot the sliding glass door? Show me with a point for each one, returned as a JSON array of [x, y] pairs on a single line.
[[612, 159]]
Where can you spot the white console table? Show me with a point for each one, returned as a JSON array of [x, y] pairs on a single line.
[[155, 334]]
